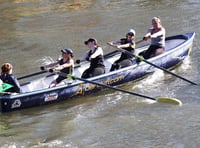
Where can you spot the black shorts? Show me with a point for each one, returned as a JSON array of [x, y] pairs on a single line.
[[59, 79], [152, 51], [91, 72], [121, 63]]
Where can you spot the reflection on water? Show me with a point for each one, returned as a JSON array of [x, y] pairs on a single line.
[[26, 8], [29, 27], [32, 32]]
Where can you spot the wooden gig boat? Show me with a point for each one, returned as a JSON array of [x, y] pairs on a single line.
[[36, 92]]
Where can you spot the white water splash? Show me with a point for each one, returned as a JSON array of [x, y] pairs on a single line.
[[158, 75], [45, 60], [148, 101], [51, 144], [186, 64], [9, 146]]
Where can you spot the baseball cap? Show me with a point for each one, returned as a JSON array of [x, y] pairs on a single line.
[[90, 40], [67, 50], [131, 31]]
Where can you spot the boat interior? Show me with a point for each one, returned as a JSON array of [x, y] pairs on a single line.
[[44, 82]]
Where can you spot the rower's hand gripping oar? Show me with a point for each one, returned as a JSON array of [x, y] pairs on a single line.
[[159, 99], [43, 70], [146, 61]]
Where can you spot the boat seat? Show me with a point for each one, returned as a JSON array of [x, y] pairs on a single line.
[[45, 83], [79, 70], [47, 80], [108, 62]]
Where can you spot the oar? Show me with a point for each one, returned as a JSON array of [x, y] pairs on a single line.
[[139, 42], [144, 60], [159, 99], [43, 70], [33, 74]]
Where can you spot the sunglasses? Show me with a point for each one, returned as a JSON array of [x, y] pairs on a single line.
[[131, 34]]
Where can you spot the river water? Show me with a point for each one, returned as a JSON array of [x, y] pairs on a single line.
[[32, 32]]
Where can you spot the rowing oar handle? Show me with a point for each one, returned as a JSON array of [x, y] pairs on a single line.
[[140, 41]]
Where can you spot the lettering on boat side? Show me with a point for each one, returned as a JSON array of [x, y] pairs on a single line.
[[17, 103], [79, 91], [51, 96], [91, 87], [114, 80]]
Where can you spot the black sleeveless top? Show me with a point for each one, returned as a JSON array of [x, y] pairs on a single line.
[[67, 70], [130, 49]]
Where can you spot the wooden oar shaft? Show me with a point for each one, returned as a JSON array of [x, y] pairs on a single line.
[[33, 74]]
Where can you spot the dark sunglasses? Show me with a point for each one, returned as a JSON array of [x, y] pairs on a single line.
[[131, 34]]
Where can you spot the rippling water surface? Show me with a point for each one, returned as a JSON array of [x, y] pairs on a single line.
[[32, 32]]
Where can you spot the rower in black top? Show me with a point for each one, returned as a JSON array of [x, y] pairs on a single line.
[[65, 65], [128, 44]]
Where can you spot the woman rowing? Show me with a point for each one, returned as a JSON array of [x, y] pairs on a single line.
[[157, 36], [65, 66], [128, 44], [95, 56]]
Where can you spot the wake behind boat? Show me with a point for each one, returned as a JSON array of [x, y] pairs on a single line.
[[36, 92]]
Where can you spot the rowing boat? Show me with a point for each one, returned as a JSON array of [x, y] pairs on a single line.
[[37, 92]]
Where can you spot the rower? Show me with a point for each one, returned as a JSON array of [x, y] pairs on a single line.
[[64, 65], [95, 56], [7, 77], [157, 35], [128, 44]]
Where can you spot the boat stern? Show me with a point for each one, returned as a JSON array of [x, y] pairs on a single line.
[[191, 36]]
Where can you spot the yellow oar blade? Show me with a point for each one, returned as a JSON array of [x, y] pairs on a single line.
[[169, 100]]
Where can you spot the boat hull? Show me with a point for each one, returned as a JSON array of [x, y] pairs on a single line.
[[174, 54]]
